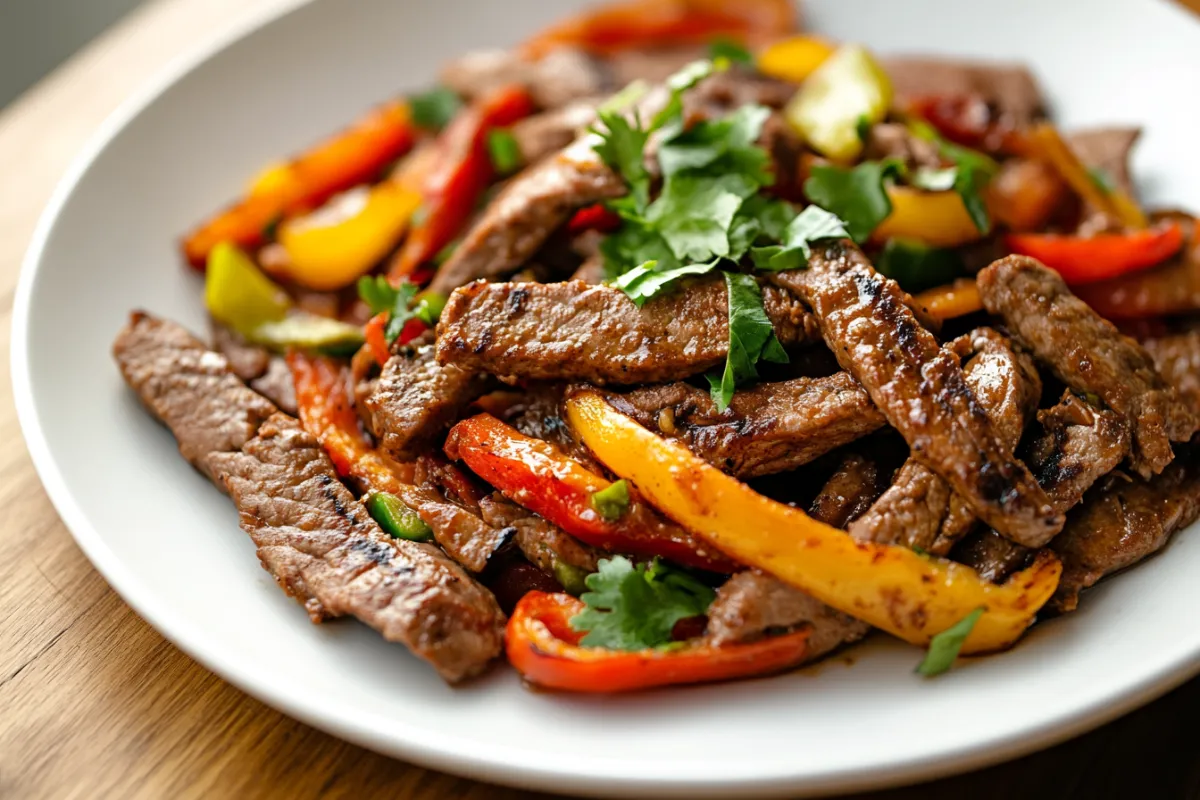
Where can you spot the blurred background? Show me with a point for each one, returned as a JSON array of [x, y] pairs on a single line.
[[38, 35]]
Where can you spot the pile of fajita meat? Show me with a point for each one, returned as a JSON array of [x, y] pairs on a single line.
[[1030, 430]]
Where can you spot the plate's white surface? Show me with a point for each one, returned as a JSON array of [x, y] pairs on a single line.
[[169, 543]]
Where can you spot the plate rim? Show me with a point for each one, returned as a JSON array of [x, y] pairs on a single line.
[[501, 764]]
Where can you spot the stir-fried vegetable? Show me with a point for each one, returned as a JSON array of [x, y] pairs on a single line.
[[937, 218], [912, 596], [354, 156], [955, 300], [849, 90], [537, 475], [1172, 288], [1081, 259], [397, 519], [637, 606], [794, 59], [916, 266], [663, 23], [462, 172], [544, 648]]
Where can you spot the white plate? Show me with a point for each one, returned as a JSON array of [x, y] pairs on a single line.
[[169, 543]]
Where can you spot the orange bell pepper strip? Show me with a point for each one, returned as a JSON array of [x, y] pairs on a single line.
[[910, 595], [1089, 259], [542, 646], [356, 155], [795, 58], [462, 172], [953, 300], [538, 476], [326, 411], [641, 24]]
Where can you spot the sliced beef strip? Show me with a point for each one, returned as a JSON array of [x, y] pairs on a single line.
[[543, 543], [1079, 444], [1177, 357], [768, 428], [1123, 523], [463, 534], [192, 389], [1009, 88], [573, 331], [851, 489], [1088, 354], [416, 398], [1107, 149], [326, 551], [556, 79], [920, 388], [542, 134], [920, 509], [312, 535], [276, 384], [248, 361], [895, 140]]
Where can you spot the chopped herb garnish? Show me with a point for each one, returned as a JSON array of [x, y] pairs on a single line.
[[434, 109], [934, 179], [644, 281], [429, 308], [380, 296], [972, 172], [916, 266], [857, 195], [377, 292], [730, 50], [504, 151], [813, 224], [1103, 179], [751, 337], [944, 647], [611, 501], [636, 607]]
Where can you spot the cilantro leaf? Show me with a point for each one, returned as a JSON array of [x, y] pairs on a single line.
[[611, 501], [760, 220], [680, 82], [434, 109], [731, 139], [644, 281], [694, 213], [813, 224], [636, 607], [635, 244], [751, 337], [972, 172], [857, 195], [377, 292], [944, 647], [503, 150], [621, 101], [729, 50], [622, 146], [916, 266]]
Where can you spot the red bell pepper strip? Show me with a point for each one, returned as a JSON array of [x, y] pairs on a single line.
[[462, 172], [967, 119], [537, 475], [594, 218], [1096, 258], [356, 155], [664, 23], [1168, 289], [327, 412], [542, 646], [375, 332]]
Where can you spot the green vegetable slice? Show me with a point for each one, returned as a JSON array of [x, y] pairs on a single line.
[[944, 647], [396, 519], [504, 151], [916, 266], [845, 95], [612, 501], [238, 294], [309, 332], [434, 109], [730, 50]]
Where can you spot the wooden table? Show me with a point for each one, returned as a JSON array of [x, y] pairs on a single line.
[[93, 702]]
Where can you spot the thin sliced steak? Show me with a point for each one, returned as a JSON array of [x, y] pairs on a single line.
[[188, 387], [1107, 149], [248, 361], [1088, 354], [543, 134], [920, 388], [920, 509], [1121, 524], [416, 398], [554, 80], [1177, 357], [768, 428], [543, 543], [312, 535], [463, 534], [574, 331], [849, 491], [1010, 89]]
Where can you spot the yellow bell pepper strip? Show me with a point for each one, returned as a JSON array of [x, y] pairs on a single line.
[[794, 59], [331, 247], [354, 156], [910, 595], [953, 300], [936, 218], [1043, 141], [543, 647], [638, 24], [1089, 259], [849, 90]]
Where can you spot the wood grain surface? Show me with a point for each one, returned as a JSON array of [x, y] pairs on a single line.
[[95, 703]]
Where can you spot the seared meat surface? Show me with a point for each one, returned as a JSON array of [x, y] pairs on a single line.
[[1177, 357], [574, 331], [1088, 354], [920, 388], [543, 543], [1010, 89]]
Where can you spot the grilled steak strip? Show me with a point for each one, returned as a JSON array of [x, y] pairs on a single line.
[[920, 388], [1119, 525], [312, 535], [1177, 357], [1078, 446], [1009, 89], [848, 492], [416, 398], [573, 331], [542, 542], [768, 428], [1088, 354], [920, 509]]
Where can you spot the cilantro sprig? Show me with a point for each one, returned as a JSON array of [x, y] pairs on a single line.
[[944, 647], [857, 195], [751, 337], [971, 172], [380, 296], [635, 607]]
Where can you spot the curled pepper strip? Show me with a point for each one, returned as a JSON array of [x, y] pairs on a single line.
[[542, 646], [912, 596], [355, 156], [1089, 259], [539, 477]]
